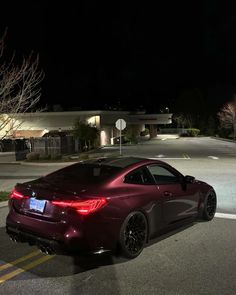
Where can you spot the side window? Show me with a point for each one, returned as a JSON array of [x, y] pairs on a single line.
[[163, 175], [139, 176]]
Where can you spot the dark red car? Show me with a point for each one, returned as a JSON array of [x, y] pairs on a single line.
[[106, 204]]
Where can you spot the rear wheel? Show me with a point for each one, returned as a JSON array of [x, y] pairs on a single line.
[[133, 234], [209, 209]]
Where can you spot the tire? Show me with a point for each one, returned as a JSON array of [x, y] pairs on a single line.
[[210, 204], [133, 234]]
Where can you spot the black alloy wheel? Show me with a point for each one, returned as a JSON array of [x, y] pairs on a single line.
[[133, 234], [210, 206]]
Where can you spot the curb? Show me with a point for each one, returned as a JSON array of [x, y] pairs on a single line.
[[3, 204], [38, 164]]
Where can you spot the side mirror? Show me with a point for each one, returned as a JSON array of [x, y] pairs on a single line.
[[189, 179]]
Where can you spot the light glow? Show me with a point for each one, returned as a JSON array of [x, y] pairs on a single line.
[[16, 195], [83, 207]]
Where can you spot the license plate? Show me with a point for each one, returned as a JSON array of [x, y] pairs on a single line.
[[37, 205]]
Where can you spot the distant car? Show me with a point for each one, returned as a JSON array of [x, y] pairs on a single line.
[[106, 204], [116, 140]]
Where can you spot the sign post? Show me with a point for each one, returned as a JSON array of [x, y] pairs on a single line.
[[120, 125]]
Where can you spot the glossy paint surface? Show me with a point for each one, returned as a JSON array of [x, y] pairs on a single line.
[[83, 206]]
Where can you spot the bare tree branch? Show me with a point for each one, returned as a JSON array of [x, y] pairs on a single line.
[[184, 120], [19, 87]]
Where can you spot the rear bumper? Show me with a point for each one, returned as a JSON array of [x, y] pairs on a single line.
[[59, 237], [49, 246], [42, 243], [63, 237]]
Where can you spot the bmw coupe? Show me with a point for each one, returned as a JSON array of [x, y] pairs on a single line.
[[105, 204]]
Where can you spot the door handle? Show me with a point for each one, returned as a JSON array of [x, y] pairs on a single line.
[[168, 194]]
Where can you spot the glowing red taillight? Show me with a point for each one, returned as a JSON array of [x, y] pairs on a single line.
[[16, 195], [83, 207]]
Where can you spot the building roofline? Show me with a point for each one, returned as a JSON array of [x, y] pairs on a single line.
[[94, 113]]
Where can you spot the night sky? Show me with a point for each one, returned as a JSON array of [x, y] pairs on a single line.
[[101, 54]]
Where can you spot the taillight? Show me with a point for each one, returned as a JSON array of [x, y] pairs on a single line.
[[83, 207], [16, 195]]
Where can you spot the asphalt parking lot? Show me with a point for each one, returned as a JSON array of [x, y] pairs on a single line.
[[196, 259]]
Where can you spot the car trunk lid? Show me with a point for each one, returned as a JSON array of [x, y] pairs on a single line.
[[36, 200]]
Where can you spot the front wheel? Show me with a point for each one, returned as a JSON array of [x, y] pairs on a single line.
[[133, 234], [209, 209]]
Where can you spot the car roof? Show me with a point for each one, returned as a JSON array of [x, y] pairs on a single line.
[[121, 161]]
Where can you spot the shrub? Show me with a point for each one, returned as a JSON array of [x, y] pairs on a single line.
[[192, 132], [144, 132], [4, 196], [32, 156]]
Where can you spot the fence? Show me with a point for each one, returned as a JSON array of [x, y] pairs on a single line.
[[52, 146], [7, 145]]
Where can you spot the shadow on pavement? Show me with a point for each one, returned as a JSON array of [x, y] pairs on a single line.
[[58, 265], [67, 265]]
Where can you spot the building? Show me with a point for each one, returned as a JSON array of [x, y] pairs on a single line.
[[26, 125]]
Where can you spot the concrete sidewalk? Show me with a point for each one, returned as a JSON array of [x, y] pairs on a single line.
[[3, 204]]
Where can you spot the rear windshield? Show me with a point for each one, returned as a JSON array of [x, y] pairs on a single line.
[[82, 174]]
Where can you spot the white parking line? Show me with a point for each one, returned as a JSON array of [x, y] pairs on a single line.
[[213, 157], [225, 215]]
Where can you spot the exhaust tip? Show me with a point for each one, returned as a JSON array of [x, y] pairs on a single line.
[[17, 238], [46, 249], [14, 238], [42, 249]]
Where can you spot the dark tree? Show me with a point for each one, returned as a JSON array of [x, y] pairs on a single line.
[[227, 116], [86, 134]]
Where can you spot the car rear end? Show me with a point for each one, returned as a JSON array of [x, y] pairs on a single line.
[[53, 221], [80, 207]]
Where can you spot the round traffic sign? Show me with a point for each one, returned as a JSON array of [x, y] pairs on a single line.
[[120, 124]]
